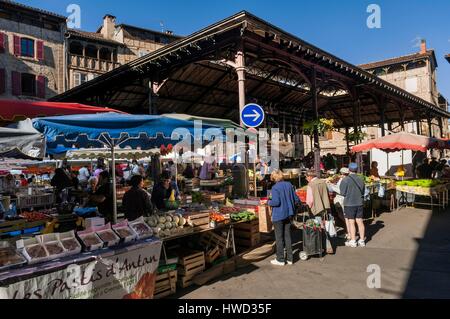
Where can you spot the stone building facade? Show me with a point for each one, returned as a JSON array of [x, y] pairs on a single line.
[[31, 52], [415, 73], [93, 53]]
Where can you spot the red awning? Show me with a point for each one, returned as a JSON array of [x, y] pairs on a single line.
[[17, 110], [401, 141]]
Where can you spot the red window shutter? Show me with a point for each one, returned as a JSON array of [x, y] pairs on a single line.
[[16, 45], [2, 81], [16, 83], [2, 42], [40, 50], [41, 86]]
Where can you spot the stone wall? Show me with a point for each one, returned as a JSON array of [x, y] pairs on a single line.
[[52, 67]]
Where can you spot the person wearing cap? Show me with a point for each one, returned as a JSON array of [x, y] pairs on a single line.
[[352, 188]]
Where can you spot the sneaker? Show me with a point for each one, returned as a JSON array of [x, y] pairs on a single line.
[[351, 243], [289, 263], [276, 262], [361, 243]]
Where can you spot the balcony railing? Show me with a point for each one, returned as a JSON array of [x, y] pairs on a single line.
[[92, 63]]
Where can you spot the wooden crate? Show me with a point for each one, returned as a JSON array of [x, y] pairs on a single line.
[[247, 234], [199, 220], [248, 242], [217, 197], [186, 257], [191, 263], [165, 284], [211, 239], [212, 255], [251, 226]]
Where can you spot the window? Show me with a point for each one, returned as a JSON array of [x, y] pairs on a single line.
[[28, 84], [79, 78], [27, 47]]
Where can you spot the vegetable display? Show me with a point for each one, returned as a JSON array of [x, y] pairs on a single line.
[[243, 216], [217, 217]]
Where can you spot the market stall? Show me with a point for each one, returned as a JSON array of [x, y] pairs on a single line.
[[114, 130], [434, 190]]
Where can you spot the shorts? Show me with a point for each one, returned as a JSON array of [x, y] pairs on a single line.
[[354, 212]]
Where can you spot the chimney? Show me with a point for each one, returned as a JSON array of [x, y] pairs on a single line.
[[109, 26], [423, 46]]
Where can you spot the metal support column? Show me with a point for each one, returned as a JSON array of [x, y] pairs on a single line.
[[383, 119], [240, 70], [316, 119]]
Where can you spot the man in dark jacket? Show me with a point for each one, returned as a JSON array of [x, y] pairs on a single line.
[[136, 201]]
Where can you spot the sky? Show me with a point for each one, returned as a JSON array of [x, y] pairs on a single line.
[[339, 27]]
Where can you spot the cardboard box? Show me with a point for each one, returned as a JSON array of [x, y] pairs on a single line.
[[265, 219]]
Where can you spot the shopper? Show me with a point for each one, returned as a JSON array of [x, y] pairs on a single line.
[[104, 197], [424, 170], [283, 201], [374, 170], [83, 176], [136, 200], [161, 192], [60, 181], [23, 181], [353, 189], [318, 200], [188, 172]]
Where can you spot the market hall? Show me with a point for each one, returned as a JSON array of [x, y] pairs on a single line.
[[244, 59], [210, 73]]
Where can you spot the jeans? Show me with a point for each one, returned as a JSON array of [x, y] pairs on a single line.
[[283, 239]]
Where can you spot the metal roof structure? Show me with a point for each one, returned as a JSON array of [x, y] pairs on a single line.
[[197, 75]]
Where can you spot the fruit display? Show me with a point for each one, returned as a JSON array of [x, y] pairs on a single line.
[[108, 236], [9, 257], [217, 217], [166, 225], [419, 183], [54, 248], [243, 216], [141, 228], [70, 244], [124, 232], [34, 216], [91, 241], [36, 251]]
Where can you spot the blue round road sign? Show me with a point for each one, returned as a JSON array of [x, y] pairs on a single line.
[[252, 115]]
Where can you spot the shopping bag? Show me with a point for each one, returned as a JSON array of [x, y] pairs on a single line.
[[330, 227], [381, 191]]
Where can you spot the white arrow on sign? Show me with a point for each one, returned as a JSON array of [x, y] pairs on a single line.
[[255, 115]]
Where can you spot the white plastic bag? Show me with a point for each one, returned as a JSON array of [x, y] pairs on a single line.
[[330, 228]]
